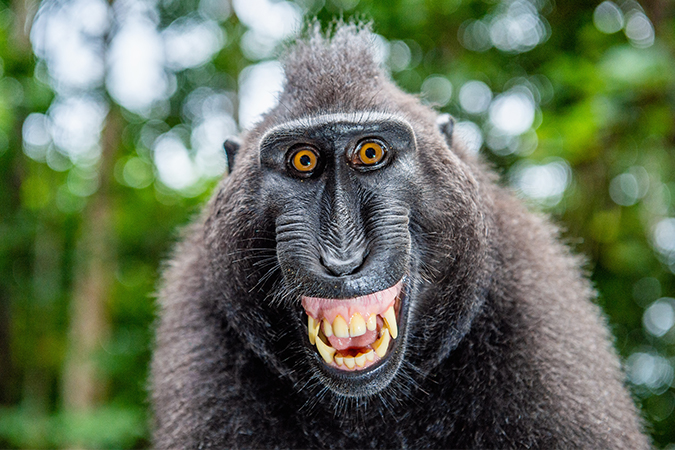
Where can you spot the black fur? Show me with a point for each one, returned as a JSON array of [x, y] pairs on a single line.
[[500, 344], [231, 147]]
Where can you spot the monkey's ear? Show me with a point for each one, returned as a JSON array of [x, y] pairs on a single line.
[[231, 146], [446, 124]]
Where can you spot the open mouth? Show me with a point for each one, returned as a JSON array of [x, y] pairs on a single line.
[[355, 333]]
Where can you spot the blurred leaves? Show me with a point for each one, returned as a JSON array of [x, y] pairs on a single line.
[[594, 85], [105, 428]]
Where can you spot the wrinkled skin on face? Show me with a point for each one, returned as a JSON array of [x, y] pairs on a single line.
[[359, 280], [345, 231]]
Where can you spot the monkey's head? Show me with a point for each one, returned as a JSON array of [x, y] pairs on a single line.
[[348, 246]]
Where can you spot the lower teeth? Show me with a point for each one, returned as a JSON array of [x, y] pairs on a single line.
[[382, 344], [326, 351]]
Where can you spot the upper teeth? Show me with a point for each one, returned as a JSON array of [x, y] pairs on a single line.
[[357, 326], [390, 320], [327, 328], [312, 328], [340, 328], [372, 322]]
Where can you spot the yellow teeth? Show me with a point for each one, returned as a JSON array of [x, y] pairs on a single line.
[[390, 321], [357, 326], [358, 360], [372, 322], [382, 344], [327, 328], [340, 328], [326, 351], [320, 330], [312, 328]]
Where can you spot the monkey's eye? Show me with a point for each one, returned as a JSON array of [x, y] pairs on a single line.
[[304, 160], [369, 152]]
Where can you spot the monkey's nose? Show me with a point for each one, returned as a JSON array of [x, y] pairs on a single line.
[[340, 266]]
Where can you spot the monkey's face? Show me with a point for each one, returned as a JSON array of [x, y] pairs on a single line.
[[341, 189], [350, 202]]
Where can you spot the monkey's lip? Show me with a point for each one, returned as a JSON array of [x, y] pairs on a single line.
[[355, 333]]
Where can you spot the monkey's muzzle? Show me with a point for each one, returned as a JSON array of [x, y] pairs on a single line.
[[354, 333]]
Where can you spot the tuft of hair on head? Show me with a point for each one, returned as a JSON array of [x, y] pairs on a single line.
[[331, 69]]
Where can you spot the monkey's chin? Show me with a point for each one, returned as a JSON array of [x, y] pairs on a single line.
[[357, 343]]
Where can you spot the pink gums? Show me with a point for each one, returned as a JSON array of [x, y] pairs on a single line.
[[330, 308]]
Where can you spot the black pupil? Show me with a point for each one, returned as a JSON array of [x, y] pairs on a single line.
[[305, 160], [370, 153]]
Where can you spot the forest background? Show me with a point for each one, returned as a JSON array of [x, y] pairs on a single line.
[[112, 118]]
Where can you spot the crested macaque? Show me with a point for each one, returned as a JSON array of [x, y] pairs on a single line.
[[360, 280]]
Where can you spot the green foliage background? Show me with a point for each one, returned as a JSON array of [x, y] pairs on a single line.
[[608, 109]]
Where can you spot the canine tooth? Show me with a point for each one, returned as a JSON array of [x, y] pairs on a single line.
[[372, 322], [390, 320], [360, 360], [340, 328], [327, 329], [312, 329], [325, 350], [339, 360], [382, 344], [357, 326], [349, 362], [370, 355]]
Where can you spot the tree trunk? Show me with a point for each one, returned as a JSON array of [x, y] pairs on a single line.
[[83, 384]]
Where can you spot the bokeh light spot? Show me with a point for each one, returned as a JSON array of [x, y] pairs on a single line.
[[475, 97], [276, 19], [659, 318], [83, 182], [399, 56], [437, 90], [470, 135], [519, 29], [174, 166], [36, 136], [542, 183], [608, 17], [260, 86], [137, 173], [474, 35], [639, 30], [136, 78], [513, 111], [191, 41], [623, 189], [650, 370], [664, 238]]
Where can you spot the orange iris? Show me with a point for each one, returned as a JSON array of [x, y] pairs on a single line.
[[370, 152], [304, 160]]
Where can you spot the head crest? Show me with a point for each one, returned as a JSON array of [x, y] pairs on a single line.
[[332, 71]]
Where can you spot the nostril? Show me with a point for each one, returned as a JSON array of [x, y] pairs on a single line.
[[341, 266]]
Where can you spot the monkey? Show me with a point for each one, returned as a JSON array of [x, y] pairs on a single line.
[[360, 280]]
